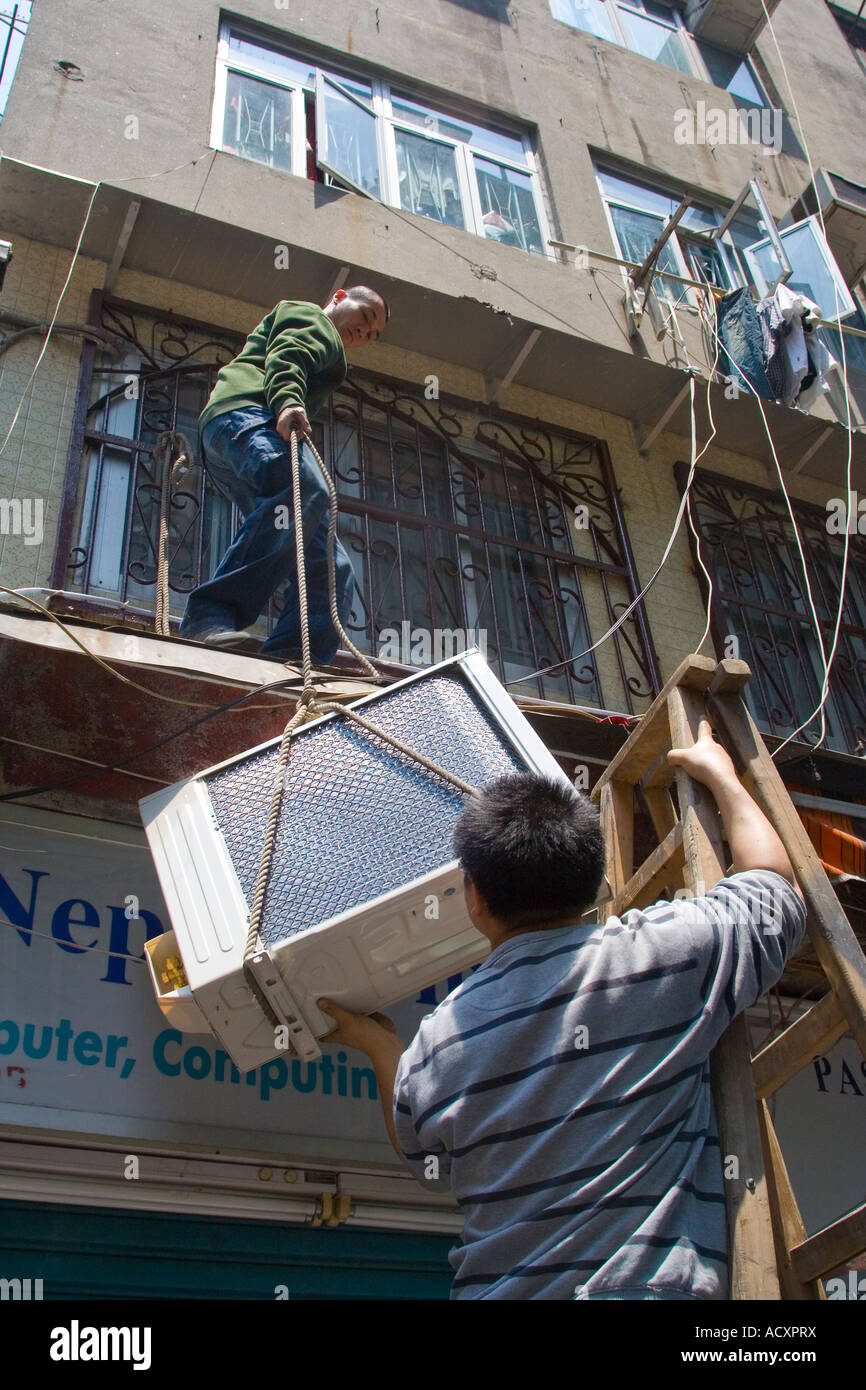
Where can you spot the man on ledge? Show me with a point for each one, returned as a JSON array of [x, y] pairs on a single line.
[[285, 371], [563, 1088]]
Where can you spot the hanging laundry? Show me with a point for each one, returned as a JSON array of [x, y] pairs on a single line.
[[820, 362], [774, 328], [741, 343], [773, 345], [806, 356]]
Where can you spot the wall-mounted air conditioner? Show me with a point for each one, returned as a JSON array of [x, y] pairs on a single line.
[[732, 24], [365, 901]]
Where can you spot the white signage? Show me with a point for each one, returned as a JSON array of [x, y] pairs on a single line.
[[83, 1043]]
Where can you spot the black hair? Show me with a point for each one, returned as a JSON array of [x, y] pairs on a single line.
[[364, 293], [533, 848]]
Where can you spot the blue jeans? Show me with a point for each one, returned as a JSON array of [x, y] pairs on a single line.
[[251, 465]]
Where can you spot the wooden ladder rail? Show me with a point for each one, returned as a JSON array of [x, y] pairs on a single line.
[[771, 1256]]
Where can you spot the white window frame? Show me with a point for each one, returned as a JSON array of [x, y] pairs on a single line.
[[225, 64], [465, 154], [387, 122], [846, 302], [670, 290]]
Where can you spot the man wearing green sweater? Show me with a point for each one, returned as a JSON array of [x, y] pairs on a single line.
[[285, 371]]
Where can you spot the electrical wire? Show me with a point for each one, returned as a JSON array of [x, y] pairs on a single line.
[[828, 660], [695, 458], [799, 543], [132, 178], [44, 348], [100, 950], [151, 748]]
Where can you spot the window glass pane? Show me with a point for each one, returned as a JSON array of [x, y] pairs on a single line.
[[655, 40], [275, 64], [707, 263], [855, 348], [267, 61], [447, 575], [347, 140], [811, 276], [649, 199], [734, 73], [364, 90], [109, 524], [636, 233], [407, 480], [427, 172], [590, 15], [698, 218], [453, 128], [258, 121], [508, 206]]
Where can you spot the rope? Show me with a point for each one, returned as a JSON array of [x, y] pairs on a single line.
[[309, 705], [332, 535]]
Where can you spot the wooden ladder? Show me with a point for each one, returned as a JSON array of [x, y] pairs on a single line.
[[771, 1256]]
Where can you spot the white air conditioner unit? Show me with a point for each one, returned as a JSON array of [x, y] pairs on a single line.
[[732, 24], [365, 901]]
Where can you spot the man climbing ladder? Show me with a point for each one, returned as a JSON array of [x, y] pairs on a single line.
[[286, 370], [563, 1089]]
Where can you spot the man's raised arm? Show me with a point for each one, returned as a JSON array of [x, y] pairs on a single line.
[[753, 841]]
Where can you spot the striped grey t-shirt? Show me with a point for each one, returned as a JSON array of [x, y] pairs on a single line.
[[564, 1091]]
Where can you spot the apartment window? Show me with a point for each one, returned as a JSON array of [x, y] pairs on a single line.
[[659, 32], [364, 134], [161, 382], [14, 20], [463, 522], [749, 547], [656, 31], [735, 73], [814, 270], [637, 213]]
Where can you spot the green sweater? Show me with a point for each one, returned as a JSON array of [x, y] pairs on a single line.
[[294, 357]]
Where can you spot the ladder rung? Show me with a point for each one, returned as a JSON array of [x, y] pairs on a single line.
[[661, 809], [653, 731], [794, 1049], [833, 1246], [644, 886]]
